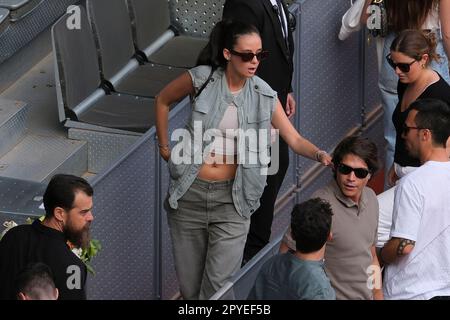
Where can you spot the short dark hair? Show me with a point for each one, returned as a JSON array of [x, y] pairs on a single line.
[[358, 146], [35, 279], [61, 192], [311, 224], [433, 114]]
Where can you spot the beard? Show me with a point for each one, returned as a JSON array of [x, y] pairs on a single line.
[[79, 238]]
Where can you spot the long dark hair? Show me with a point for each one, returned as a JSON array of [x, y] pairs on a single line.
[[408, 14], [224, 35]]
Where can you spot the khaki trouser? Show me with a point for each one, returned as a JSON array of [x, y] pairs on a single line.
[[208, 238]]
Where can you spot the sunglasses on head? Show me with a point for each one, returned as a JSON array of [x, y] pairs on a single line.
[[248, 56], [360, 173], [404, 67]]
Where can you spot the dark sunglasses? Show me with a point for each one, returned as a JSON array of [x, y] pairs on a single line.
[[405, 129], [404, 67], [248, 56], [360, 173]]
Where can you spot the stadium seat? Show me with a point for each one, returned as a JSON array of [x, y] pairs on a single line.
[[116, 51], [78, 80], [180, 51]]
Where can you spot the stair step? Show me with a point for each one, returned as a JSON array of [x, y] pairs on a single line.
[[20, 199], [38, 157], [13, 116]]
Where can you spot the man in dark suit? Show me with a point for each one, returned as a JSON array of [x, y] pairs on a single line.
[[271, 19]]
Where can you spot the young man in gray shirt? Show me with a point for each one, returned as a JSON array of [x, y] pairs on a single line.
[[300, 275]]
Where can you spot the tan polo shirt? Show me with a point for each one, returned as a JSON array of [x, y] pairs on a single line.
[[348, 254]]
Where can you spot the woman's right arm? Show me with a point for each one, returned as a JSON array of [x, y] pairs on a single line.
[[365, 15], [173, 92], [444, 17]]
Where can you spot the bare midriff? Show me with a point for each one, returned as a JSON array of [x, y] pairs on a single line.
[[218, 168]]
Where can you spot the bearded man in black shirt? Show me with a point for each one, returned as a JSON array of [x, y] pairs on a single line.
[[68, 206]]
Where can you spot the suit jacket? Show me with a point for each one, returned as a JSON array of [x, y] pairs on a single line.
[[278, 68]]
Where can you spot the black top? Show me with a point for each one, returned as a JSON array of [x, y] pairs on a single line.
[[26, 244], [438, 90]]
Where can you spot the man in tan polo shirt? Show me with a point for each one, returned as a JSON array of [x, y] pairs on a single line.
[[350, 258]]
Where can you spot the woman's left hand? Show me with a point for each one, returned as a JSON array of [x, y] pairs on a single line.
[[325, 159]]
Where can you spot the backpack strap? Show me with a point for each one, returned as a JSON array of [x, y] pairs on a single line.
[[205, 84]]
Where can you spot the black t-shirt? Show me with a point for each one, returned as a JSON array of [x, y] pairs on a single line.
[[438, 90], [26, 244]]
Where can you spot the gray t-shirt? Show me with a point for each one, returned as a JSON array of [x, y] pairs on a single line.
[[354, 231], [287, 277]]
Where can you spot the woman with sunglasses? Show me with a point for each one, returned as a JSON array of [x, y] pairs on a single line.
[[217, 179], [411, 55], [427, 15]]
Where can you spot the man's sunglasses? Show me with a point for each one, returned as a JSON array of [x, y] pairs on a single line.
[[248, 56], [405, 129], [404, 67], [360, 173]]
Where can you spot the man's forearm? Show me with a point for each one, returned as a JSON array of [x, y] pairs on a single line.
[[396, 248]]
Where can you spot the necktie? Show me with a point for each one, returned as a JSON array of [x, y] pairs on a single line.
[[279, 9]]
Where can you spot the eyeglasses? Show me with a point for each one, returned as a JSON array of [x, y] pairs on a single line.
[[404, 67], [405, 129], [360, 173], [248, 56]]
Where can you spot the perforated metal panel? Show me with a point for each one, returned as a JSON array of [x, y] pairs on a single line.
[[170, 287], [374, 131], [23, 31], [103, 148], [372, 92], [195, 17], [330, 83], [20, 199], [323, 179], [291, 178], [124, 211]]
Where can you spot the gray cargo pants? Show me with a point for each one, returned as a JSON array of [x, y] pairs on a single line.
[[208, 238]]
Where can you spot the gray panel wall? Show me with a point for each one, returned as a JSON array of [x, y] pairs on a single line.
[[124, 211]]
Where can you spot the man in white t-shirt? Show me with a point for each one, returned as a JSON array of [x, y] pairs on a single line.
[[418, 254]]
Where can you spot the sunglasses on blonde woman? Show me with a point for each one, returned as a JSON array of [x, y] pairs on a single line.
[[248, 56]]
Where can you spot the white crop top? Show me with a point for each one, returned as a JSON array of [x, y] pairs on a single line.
[[225, 136]]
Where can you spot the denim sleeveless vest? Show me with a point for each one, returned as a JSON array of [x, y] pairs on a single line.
[[255, 105]]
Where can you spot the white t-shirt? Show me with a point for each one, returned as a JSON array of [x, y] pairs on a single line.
[[422, 214]]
